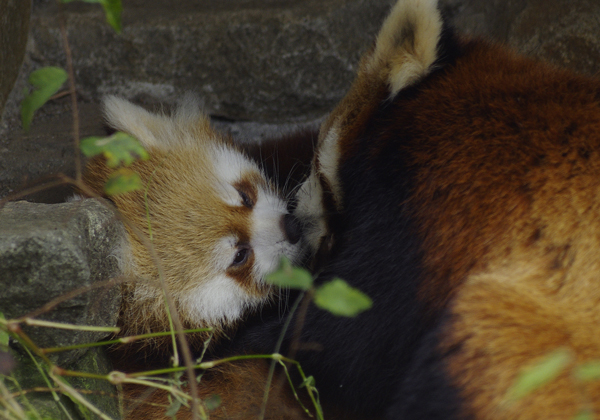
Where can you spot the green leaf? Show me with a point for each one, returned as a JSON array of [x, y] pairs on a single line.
[[288, 276], [118, 149], [47, 81], [309, 383], [341, 299], [589, 371], [121, 181], [3, 335], [212, 403], [584, 415], [173, 408], [540, 373], [112, 10]]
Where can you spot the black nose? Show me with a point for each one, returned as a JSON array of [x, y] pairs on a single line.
[[291, 227]]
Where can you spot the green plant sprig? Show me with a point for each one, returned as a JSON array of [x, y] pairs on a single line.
[[335, 296], [54, 372], [122, 340], [118, 377]]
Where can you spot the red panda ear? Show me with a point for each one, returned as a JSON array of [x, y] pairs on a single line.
[[132, 119], [187, 126], [406, 45], [404, 53]]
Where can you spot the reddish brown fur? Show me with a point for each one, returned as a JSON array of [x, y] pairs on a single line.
[[481, 203], [509, 223], [503, 327], [240, 387], [503, 156]]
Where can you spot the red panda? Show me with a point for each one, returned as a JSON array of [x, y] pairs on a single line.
[[458, 185], [217, 223]]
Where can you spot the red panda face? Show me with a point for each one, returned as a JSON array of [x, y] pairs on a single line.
[[216, 226]]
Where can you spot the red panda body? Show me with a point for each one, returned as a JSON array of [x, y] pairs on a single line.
[[458, 185]]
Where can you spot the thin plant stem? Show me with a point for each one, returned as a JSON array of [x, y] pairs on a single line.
[[45, 377], [62, 326], [67, 296], [59, 95], [289, 378], [16, 329], [306, 299], [20, 194], [172, 330], [77, 374], [208, 365], [147, 207], [69, 390], [316, 403], [122, 340], [73, 92], [167, 388], [263, 407], [9, 403]]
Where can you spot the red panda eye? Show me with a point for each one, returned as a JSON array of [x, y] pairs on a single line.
[[241, 256], [246, 201]]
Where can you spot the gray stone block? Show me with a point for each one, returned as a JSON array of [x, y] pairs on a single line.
[[48, 251], [563, 32]]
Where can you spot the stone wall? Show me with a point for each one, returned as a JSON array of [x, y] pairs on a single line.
[[258, 66]]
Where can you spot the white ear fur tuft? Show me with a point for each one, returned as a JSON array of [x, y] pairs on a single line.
[[156, 130], [132, 119], [188, 111], [406, 46]]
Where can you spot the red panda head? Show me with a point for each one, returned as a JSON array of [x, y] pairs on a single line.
[[216, 225], [404, 53]]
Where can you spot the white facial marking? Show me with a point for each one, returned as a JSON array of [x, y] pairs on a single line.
[[268, 238], [310, 211], [224, 252], [230, 165], [329, 155], [220, 299]]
